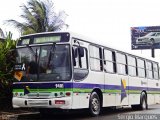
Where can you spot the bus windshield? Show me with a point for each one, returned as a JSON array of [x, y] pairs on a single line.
[[45, 63]]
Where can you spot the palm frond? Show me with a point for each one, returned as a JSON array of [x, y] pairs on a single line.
[[15, 23], [39, 16]]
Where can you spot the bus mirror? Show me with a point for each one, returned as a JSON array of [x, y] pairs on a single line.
[[76, 53], [81, 51]]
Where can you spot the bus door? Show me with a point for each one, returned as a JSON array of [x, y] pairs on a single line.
[[80, 73]]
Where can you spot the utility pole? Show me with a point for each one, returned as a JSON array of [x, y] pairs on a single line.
[[152, 52]]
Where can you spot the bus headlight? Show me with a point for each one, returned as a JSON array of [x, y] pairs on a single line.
[[16, 94]]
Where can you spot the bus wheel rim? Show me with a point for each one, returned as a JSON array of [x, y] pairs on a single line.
[[95, 105], [144, 104]]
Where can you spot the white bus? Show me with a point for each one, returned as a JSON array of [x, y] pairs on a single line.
[[61, 70]]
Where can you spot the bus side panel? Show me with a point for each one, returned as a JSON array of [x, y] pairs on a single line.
[[158, 92], [151, 99], [153, 96], [157, 98], [115, 90], [75, 100], [109, 98], [122, 97], [134, 94], [83, 89], [80, 100]]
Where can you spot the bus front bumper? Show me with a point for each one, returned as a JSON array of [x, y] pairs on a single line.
[[62, 103]]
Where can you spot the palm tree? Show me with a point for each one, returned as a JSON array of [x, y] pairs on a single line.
[[39, 17]]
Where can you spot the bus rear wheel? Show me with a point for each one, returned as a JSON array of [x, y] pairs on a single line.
[[143, 102], [94, 104]]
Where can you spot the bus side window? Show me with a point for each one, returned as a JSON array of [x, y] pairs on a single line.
[[79, 57], [149, 70], [96, 63], [141, 68], [75, 57], [155, 70], [80, 63], [131, 60], [121, 63], [109, 61]]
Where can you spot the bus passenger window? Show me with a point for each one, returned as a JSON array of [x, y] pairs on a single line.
[[141, 68], [131, 66], [79, 55], [83, 59], [155, 71], [95, 58], [75, 57], [149, 70], [121, 63], [109, 61]]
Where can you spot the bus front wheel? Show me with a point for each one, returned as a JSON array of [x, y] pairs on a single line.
[[94, 104]]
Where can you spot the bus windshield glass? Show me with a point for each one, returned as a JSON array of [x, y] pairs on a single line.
[[44, 63]]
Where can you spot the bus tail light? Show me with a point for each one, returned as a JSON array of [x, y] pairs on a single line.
[[59, 101]]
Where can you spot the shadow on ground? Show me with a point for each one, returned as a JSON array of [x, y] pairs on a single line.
[[74, 115]]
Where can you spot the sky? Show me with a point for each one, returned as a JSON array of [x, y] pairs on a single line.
[[108, 22]]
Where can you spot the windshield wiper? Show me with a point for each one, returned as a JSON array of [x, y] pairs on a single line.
[[36, 59], [32, 51], [50, 54]]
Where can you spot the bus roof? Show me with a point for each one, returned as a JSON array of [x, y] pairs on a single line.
[[93, 41]]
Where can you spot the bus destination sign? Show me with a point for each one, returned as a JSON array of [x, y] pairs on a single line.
[[47, 39]]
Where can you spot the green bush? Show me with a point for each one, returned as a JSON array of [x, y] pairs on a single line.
[[7, 60]]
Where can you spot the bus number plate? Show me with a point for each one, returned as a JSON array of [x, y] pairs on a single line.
[[59, 85]]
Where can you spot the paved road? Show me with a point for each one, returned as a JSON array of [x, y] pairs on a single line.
[[153, 113]]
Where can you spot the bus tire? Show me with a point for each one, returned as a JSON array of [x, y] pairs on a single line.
[[143, 102], [94, 104]]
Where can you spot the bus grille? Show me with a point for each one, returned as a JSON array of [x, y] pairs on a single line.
[[38, 102]]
